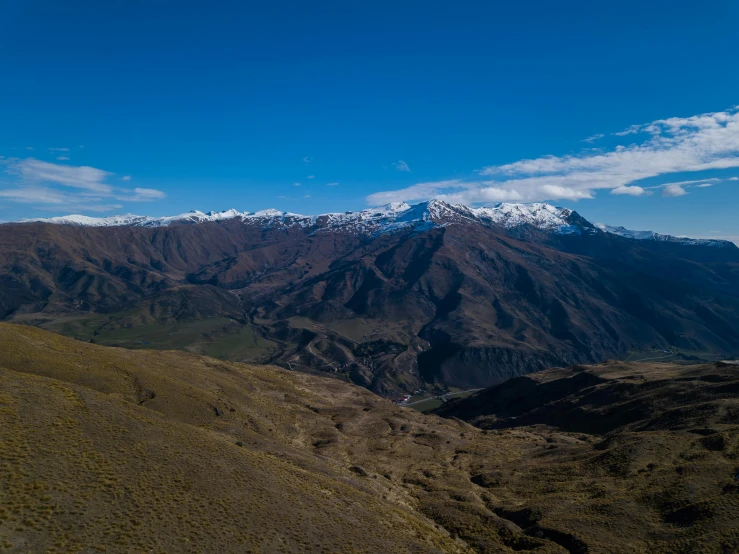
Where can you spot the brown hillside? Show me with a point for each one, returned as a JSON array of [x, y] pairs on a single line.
[[457, 305], [116, 450]]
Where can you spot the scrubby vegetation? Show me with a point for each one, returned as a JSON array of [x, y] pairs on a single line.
[[113, 450]]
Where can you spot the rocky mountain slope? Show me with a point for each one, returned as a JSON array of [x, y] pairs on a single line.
[[115, 450], [392, 298]]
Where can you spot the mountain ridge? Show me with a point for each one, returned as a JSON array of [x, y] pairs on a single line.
[[394, 300], [392, 216]]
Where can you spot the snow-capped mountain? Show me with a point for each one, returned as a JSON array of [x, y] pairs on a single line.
[[393, 217], [542, 216], [651, 235], [388, 217]]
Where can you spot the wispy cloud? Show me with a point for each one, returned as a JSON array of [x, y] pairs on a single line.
[[62, 158], [47, 185], [296, 184], [58, 149], [32, 171], [141, 195], [311, 177], [632, 130], [307, 159], [126, 178], [334, 184], [400, 165], [667, 146], [679, 188], [594, 138], [34, 194]]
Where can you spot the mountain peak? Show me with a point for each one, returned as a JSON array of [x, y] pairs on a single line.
[[393, 217]]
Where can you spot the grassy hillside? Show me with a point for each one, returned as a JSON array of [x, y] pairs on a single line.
[[109, 450], [114, 450]]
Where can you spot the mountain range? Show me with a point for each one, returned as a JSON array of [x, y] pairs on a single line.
[[390, 218], [393, 298]]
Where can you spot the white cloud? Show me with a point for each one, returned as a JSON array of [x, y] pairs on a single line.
[[54, 186], [420, 191], [693, 182], [668, 146], [62, 158], [30, 195], [400, 165], [632, 130], [126, 178], [630, 190], [78, 208], [142, 195], [296, 184], [334, 184], [58, 149], [704, 185], [595, 137], [311, 177], [307, 196], [733, 179], [307, 159], [34, 171], [674, 190]]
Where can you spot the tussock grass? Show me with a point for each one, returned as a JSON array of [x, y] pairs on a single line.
[[114, 450]]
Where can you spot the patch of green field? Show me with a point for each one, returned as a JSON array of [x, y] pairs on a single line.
[[674, 355], [81, 328], [219, 337], [428, 401], [243, 345], [353, 329], [300, 322], [161, 336], [427, 405]]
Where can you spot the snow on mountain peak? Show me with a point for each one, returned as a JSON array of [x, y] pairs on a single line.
[[87, 221], [539, 215], [389, 217], [651, 235], [269, 212], [392, 217]]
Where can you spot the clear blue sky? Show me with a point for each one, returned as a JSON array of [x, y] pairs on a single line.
[[160, 107]]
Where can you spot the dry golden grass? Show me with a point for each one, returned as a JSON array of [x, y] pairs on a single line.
[[112, 450], [108, 450]]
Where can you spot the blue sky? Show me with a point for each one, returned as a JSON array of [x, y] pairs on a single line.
[[160, 107]]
